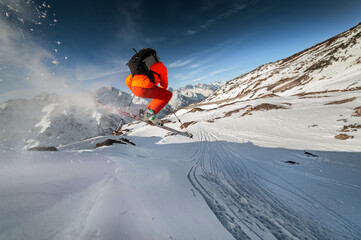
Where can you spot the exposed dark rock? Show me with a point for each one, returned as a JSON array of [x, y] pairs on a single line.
[[310, 154], [110, 142], [164, 121], [298, 81], [342, 120], [185, 125], [343, 136], [329, 91], [53, 149], [291, 162], [269, 95], [266, 107], [127, 141], [123, 132], [279, 82], [196, 109], [351, 128], [115, 133], [227, 114], [341, 101], [322, 64], [357, 112]]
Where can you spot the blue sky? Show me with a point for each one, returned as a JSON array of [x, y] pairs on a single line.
[[68, 46]]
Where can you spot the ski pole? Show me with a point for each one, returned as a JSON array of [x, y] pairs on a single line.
[[131, 101], [190, 135], [119, 128]]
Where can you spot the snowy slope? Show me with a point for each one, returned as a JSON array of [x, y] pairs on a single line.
[[334, 64]]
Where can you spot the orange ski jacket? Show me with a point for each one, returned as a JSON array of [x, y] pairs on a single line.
[[144, 82]]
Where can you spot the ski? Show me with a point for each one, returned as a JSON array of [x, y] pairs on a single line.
[[114, 109]]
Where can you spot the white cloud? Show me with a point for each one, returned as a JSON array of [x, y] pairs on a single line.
[[199, 79], [130, 15], [88, 73], [154, 40], [190, 32], [222, 70], [236, 7], [181, 63], [131, 18]]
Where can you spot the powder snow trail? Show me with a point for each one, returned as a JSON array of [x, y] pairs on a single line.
[[240, 196]]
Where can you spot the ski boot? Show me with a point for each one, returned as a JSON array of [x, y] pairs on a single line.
[[150, 116]]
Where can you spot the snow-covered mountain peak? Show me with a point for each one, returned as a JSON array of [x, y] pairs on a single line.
[[45, 97], [107, 93], [189, 94]]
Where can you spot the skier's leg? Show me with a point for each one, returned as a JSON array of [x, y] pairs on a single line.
[[159, 95]]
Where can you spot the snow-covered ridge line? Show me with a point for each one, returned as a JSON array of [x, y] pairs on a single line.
[[183, 97], [334, 64]]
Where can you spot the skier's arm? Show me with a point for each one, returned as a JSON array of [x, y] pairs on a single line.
[[161, 70], [128, 81], [164, 77], [164, 80]]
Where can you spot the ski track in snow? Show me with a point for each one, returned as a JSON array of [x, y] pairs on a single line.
[[249, 209]]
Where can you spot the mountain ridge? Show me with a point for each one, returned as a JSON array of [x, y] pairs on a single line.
[[292, 75]]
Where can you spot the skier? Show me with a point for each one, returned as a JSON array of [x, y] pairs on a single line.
[[147, 71]]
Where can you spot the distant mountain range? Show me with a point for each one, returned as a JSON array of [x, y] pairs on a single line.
[[50, 119]]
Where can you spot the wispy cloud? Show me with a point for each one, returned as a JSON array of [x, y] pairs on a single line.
[[150, 40], [131, 18], [198, 79], [92, 72], [222, 70], [130, 13], [181, 63], [235, 8], [191, 32]]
